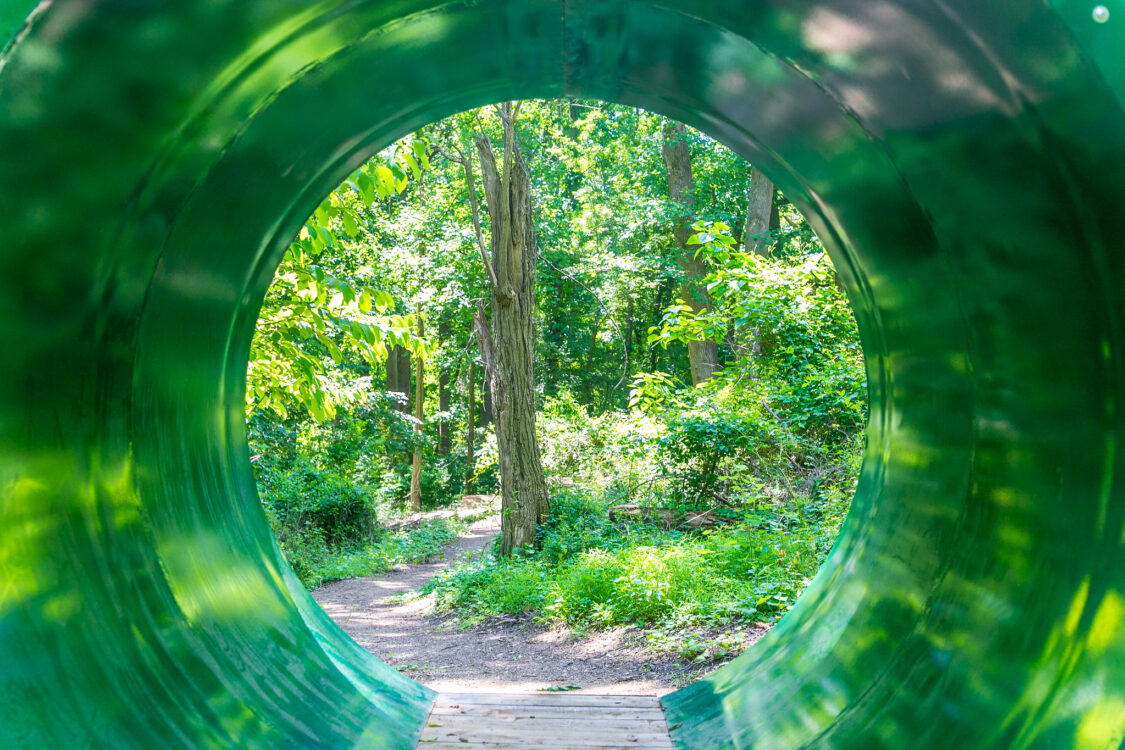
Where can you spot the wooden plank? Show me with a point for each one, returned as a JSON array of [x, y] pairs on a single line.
[[591, 713], [528, 741], [475, 725], [550, 721], [438, 745], [547, 699], [545, 734], [524, 746], [648, 724]]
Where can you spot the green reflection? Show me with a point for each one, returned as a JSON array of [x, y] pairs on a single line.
[[958, 159]]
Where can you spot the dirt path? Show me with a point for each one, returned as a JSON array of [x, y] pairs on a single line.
[[509, 656]]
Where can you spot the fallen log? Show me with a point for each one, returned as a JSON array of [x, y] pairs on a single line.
[[665, 517]]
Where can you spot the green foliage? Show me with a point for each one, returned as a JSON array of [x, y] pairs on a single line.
[[591, 572], [790, 328], [306, 497], [316, 563], [313, 319], [491, 586]]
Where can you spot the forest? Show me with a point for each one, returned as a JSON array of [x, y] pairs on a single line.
[[606, 318]]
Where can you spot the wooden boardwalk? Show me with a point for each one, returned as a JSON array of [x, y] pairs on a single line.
[[548, 720]]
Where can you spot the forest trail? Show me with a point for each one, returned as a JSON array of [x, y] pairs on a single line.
[[510, 656]]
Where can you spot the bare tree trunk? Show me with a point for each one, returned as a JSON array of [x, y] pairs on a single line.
[[661, 299], [703, 355], [509, 348], [419, 415], [485, 400], [398, 375], [445, 439], [760, 213], [392, 371], [404, 368], [761, 219], [471, 428]]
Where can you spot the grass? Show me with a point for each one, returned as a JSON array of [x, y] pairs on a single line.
[[591, 573], [316, 564]]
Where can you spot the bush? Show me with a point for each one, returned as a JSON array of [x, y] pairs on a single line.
[[578, 521], [316, 563], [487, 586], [303, 548], [317, 501]]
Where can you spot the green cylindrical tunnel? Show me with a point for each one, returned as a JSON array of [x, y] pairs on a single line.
[[962, 161]]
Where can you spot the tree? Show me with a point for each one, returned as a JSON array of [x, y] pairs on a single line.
[[398, 375], [470, 426], [760, 210], [419, 416], [508, 346], [702, 354]]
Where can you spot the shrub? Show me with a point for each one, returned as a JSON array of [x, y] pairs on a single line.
[[310, 499], [592, 572], [487, 586]]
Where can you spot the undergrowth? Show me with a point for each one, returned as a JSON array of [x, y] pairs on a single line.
[[317, 563], [588, 572]]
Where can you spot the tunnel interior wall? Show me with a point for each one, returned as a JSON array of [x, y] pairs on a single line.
[[955, 158]]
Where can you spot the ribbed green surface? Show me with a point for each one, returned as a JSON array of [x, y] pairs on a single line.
[[961, 160]]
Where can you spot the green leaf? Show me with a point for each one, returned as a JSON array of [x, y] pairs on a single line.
[[386, 180], [350, 226], [413, 164], [383, 301]]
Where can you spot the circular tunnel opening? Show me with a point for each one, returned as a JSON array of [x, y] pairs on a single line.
[[685, 515], [951, 158]]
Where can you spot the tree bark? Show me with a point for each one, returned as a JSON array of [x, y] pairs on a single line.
[[509, 348], [392, 371], [661, 299], [404, 368], [485, 398], [419, 415], [591, 350], [398, 375], [445, 438], [760, 214], [703, 355], [471, 428]]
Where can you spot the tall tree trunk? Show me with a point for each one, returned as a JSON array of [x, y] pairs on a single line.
[[471, 428], [445, 438], [630, 324], [392, 371], [509, 348], [760, 214], [485, 398], [761, 218], [398, 376], [419, 415], [404, 367], [703, 355]]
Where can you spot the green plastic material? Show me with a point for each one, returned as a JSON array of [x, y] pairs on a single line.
[[963, 160]]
